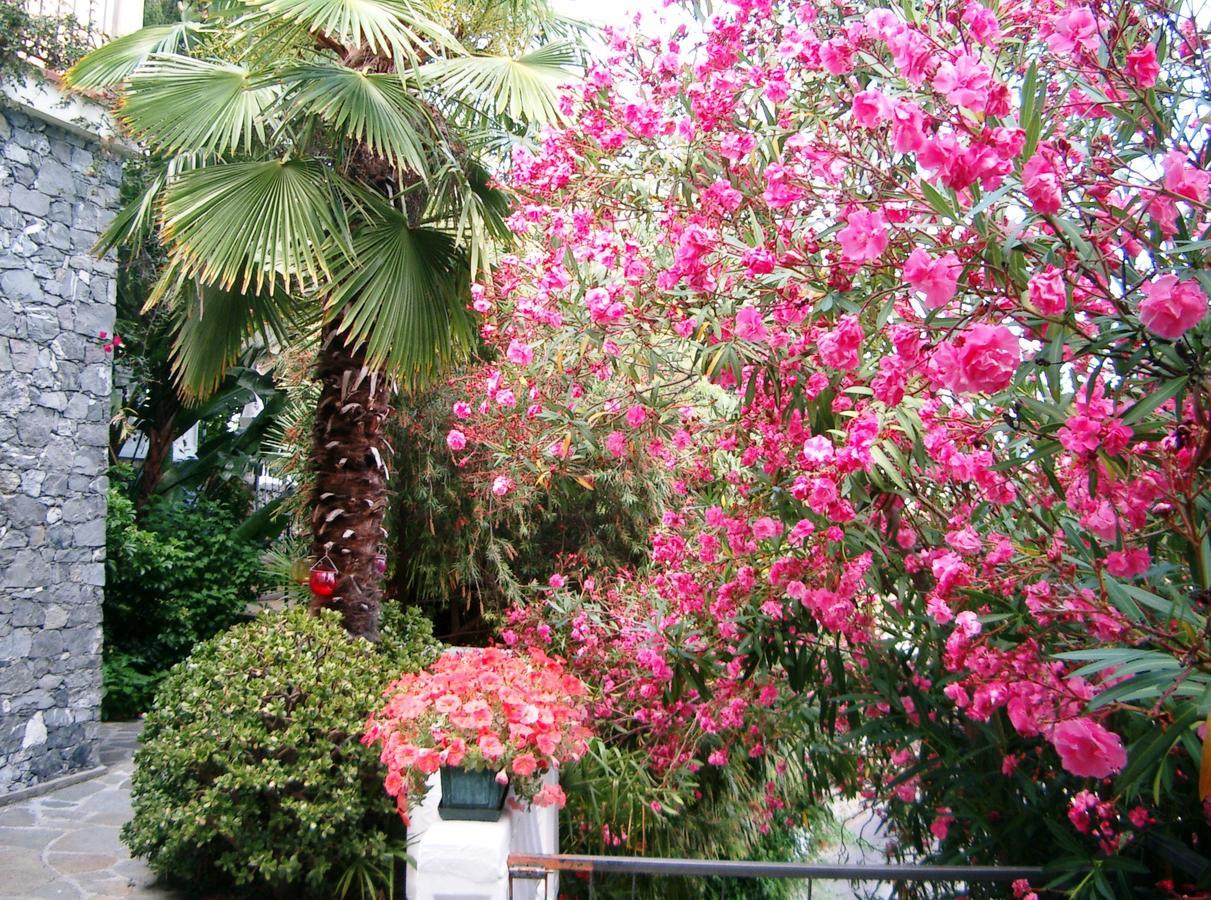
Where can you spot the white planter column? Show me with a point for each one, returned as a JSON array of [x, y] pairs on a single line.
[[470, 860]]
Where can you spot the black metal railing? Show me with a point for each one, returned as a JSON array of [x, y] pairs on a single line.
[[535, 867]]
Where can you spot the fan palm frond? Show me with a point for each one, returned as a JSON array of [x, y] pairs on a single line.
[[399, 29], [524, 88], [114, 62], [464, 202], [374, 108], [134, 221], [215, 326], [176, 103], [246, 223], [402, 295]]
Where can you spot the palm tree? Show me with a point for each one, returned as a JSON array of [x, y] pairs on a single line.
[[324, 164]]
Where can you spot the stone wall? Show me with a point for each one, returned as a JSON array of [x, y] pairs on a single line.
[[58, 190]]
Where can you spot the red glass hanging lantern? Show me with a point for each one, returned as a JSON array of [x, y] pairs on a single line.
[[380, 565], [322, 579]]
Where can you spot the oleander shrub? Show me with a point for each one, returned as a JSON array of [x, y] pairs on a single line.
[[251, 776]]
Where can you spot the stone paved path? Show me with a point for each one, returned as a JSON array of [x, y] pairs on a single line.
[[65, 843]]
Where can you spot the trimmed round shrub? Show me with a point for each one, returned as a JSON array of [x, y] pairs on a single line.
[[251, 775]]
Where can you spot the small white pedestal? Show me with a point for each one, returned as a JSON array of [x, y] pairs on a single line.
[[464, 861], [470, 860]]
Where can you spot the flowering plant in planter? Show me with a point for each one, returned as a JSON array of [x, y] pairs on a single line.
[[519, 715]]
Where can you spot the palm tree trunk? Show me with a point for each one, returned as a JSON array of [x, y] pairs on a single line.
[[349, 460], [159, 448]]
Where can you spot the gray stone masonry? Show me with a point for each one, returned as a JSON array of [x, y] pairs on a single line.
[[57, 192]]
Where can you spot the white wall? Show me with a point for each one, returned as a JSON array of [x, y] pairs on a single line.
[[112, 18]]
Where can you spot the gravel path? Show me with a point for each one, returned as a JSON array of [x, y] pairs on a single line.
[[65, 843]]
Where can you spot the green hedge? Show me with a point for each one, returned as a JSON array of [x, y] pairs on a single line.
[[251, 776]]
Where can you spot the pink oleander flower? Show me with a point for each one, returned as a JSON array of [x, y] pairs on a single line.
[[501, 485], [479, 302], [982, 23], [766, 527], [1041, 181], [1142, 66], [616, 443], [965, 81], [1185, 180], [519, 353], [749, 326], [636, 416], [1047, 292], [1080, 434], [1128, 563], [907, 127], [1171, 307], [864, 237], [935, 278], [1088, 750], [837, 56], [839, 347], [1075, 28], [456, 440], [870, 108], [983, 359]]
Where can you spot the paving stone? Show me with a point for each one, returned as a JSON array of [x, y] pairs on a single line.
[[76, 792], [67, 844], [89, 839], [105, 803], [16, 816], [79, 863], [22, 869], [29, 838], [60, 890]]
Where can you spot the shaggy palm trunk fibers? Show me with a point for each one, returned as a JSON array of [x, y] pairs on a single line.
[[349, 458]]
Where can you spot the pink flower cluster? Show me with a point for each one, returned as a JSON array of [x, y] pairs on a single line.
[[519, 715], [907, 369]]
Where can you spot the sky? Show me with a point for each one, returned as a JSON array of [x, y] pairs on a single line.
[[609, 12]]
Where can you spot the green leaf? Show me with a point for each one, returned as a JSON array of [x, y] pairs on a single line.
[[1034, 96], [887, 466], [250, 223], [135, 221], [524, 89], [1169, 608], [177, 104], [1144, 753], [1153, 400], [373, 108], [1122, 600], [939, 201], [400, 29], [215, 327], [402, 293], [113, 63]]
